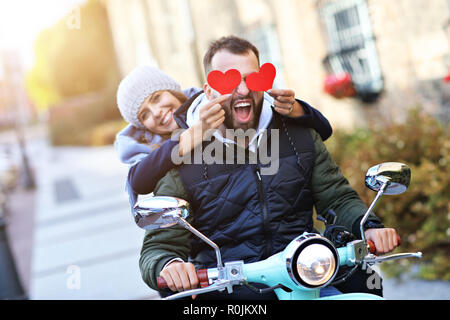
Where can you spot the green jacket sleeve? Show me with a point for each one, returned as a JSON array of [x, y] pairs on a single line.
[[161, 245], [331, 190]]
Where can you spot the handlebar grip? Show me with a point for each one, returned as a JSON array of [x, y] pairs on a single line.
[[372, 245], [202, 275]]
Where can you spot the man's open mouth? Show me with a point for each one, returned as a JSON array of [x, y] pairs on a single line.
[[243, 111]]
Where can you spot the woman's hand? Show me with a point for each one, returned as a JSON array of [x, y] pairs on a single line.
[[285, 103]]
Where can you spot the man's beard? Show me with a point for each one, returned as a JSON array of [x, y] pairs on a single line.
[[230, 120]]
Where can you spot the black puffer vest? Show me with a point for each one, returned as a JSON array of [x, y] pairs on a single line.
[[251, 216]]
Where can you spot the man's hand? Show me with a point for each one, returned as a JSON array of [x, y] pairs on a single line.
[[385, 239], [180, 276], [285, 103]]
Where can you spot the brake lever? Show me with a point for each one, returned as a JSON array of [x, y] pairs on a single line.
[[372, 259], [219, 285], [266, 290]]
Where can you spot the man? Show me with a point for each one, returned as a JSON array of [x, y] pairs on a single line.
[[249, 215]]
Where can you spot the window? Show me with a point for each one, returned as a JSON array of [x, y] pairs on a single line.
[[265, 39], [351, 46]]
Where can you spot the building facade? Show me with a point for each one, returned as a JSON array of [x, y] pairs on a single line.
[[396, 52]]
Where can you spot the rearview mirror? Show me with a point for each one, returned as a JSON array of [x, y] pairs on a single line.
[[163, 212], [159, 212], [397, 176]]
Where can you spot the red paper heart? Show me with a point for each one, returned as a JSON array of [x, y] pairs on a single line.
[[224, 82], [262, 80]]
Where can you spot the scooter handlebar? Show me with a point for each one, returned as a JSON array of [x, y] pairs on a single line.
[[203, 279], [202, 275], [372, 248]]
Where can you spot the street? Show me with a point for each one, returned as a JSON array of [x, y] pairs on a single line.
[[83, 242]]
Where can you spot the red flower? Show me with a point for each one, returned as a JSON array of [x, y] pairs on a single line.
[[339, 85], [447, 78]]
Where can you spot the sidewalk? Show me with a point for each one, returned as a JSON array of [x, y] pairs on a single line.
[[85, 243]]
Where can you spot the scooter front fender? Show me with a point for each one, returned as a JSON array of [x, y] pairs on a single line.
[[353, 296], [315, 295]]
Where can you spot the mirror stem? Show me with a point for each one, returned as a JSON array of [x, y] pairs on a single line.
[[372, 205], [187, 226]]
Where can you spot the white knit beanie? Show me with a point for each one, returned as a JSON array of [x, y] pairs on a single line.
[[139, 84]]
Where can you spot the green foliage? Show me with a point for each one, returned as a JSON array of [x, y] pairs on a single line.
[[76, 74], [73, 61], [421, 215], [39, 81]]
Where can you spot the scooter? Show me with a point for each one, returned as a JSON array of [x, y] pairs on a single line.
[[308, 263]]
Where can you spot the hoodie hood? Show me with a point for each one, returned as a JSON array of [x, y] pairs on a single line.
[[193, 115], [127, 145]]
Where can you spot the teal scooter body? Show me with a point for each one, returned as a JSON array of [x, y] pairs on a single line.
[[274, 271], [277, 270]]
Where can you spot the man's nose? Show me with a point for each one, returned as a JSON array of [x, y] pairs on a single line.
[[242, 89]]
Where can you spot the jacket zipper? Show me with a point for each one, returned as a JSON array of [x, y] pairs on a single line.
[[262, 199]]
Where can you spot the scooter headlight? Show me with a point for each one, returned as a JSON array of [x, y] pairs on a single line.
[[313, 261], [316, 264]]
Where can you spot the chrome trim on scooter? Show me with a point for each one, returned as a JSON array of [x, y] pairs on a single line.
[[294, 250]]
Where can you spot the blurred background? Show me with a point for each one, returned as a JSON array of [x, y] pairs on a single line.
[[379, 70]]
